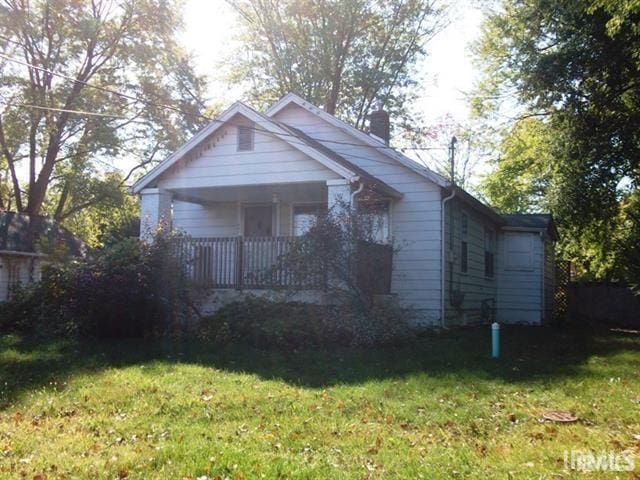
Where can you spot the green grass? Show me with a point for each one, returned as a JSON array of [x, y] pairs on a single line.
[[438, 408]]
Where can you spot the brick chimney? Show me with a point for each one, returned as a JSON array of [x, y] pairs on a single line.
[[379, 125]]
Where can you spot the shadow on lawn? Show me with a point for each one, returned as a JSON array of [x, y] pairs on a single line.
[[529, 354]]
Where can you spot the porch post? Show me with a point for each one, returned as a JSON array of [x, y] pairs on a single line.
[[155, 208], [338, 194]]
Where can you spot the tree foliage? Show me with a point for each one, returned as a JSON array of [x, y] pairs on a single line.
[[521, 176], [74, 53], [574, 67], [346, 55]]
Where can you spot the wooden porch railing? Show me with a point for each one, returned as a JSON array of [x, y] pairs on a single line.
[[241, 262]]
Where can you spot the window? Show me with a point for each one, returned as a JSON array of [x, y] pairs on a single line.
[[464, 224], [304, 217], [463, 257], [489, 253], [518, 251], [464, 248], [14, 274], [245, 138], [258, 221], [375, 215]]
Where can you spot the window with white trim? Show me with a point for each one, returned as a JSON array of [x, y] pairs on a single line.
[[376, 213]]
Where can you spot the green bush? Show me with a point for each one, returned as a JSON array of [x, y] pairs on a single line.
[[290, 325], [129, 289]]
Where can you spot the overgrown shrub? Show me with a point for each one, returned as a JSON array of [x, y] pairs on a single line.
[[129, 289], [291, 325]]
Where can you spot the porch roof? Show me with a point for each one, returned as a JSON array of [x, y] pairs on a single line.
[[289, 193]]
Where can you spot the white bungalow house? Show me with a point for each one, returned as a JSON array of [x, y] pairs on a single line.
[[252, 178]]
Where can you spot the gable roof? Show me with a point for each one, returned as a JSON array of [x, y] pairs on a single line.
[[36, 235], [340, 166], [542, 222], [369, 140], [318, 150], [366, 177], [379, 145]]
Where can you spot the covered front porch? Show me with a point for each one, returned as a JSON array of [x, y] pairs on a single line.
[[237, 234]]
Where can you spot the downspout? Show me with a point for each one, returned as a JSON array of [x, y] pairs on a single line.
[[442, 255], [356, 192]]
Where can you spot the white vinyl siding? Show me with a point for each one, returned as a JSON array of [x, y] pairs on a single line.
[[219, 164], [415, 219], [212, 220], [474, 287]]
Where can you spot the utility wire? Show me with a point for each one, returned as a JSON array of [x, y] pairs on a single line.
[[66, 110], [177, 110], [197, 114]]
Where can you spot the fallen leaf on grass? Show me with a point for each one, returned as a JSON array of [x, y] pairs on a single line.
[[560, 417]]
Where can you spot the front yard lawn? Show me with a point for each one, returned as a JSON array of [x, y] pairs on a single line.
[[438, 408]]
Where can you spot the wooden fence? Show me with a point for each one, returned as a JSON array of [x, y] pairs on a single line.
[[603, 302]]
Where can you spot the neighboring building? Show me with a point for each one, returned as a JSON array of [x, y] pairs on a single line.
[[27, 242], [249, 181]]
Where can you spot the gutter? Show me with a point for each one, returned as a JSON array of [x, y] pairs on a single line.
[[442, 255]]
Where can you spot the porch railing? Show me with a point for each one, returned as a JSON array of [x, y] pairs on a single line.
[[242, 262]]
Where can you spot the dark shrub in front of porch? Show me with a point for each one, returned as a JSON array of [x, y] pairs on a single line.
[[292, 325]]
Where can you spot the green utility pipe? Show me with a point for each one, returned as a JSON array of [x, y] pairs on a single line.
[[495, 340]]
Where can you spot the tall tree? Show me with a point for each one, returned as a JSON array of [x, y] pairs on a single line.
[[346, 55], [574, 64], [61, 126]]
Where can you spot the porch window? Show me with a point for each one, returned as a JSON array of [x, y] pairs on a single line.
[[304, 217], [245, 138], [376, 214]]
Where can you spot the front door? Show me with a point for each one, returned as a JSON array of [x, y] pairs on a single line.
[[258, 221]]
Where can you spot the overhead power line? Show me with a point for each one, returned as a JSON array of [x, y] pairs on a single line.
[[182, 112], [66, 110]]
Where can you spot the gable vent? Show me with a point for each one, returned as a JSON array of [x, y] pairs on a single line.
[[245, 138]]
